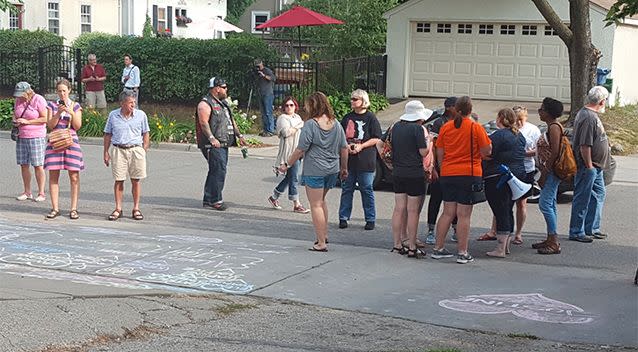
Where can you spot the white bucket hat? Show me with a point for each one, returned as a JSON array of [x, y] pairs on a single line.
[[415, 111]]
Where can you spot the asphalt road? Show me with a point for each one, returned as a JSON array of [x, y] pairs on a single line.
[[585, 295]]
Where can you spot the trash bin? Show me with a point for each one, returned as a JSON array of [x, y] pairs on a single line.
[[601, 75]]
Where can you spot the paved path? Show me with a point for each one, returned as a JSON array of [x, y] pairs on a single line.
[[584, 295]]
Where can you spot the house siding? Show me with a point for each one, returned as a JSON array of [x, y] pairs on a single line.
[[624, 73], [245, 21]]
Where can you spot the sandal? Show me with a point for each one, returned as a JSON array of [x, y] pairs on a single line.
[[116, 214], [415, 253], [517, 241], [137, 215], [73, 214], [401, 250], [52, 214], [419, 243], [487, 237]]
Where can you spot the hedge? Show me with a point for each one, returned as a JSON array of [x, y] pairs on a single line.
[[177, 70], [25, 41]]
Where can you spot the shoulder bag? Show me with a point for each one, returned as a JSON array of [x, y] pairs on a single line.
[[61, 138], [477, 191], [15, 131], [565, 165]]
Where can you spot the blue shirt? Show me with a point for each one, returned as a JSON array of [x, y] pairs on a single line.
[[133, 73], [507, 149], [127, 131]]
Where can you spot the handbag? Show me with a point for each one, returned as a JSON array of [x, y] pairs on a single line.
[[477, 190], [15, 131], [61, 138]]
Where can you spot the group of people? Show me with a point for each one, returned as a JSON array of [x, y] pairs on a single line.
[[126, 139], [94, 75]]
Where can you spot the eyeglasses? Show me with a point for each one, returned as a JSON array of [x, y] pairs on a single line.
[[291, 105]]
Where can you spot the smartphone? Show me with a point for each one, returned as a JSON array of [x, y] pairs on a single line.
[[60, 102]]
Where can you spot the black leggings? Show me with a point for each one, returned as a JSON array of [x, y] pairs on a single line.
[[502, 205], [436, 197]]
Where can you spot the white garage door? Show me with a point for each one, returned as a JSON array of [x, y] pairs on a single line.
[[525, 62]]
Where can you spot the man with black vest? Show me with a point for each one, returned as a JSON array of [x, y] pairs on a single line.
[[216, 131]]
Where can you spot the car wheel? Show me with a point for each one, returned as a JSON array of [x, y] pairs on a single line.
[[536, 193]]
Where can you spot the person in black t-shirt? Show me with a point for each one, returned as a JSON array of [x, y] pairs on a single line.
[[409, 146], [363, 131]]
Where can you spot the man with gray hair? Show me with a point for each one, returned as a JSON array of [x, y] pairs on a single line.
[[592, 153], [126, 140], [93, 77]]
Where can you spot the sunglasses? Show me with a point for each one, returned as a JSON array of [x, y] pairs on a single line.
[[223, 87], [354, 99], [291, 105]]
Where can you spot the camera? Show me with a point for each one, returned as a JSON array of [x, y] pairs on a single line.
[[477, 187], [60, 102], [352, 146]]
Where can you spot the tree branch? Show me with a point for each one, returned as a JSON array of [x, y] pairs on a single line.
[[552, 18]]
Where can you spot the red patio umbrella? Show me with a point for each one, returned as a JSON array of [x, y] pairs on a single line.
[[299, 16]]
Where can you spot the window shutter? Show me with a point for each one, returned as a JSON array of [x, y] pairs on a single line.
[[155, 18], [169, 18]]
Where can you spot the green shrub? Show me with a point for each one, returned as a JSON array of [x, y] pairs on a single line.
[[26, 41], [6, 113], [93, 123], [178, 70], [82, 42], [341, 103]]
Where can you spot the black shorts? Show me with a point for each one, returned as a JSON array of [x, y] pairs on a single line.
[[458, 188], [413, 186]]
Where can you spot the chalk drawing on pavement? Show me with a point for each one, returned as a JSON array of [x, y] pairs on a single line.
[[125, 259], [531, 306]]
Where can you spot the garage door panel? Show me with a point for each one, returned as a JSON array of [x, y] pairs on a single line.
[[487, 65]]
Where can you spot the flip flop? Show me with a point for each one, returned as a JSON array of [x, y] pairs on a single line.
[[486, 237], [314, 249]]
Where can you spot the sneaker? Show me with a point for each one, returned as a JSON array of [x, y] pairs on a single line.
[[582, 239], [343, 224], [24, 196], [599, 235], [441, 253], [454, 238], [274, 202], [40, 198], [430, 239], [301, 210], [464, 258], [216, 206], [369, 225]]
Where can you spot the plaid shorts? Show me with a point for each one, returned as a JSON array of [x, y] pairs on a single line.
[[31, 151]]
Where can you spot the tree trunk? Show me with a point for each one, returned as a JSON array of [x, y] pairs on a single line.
[[582, 56]]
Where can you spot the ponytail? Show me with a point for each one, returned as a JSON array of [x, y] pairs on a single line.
[[463, 108]]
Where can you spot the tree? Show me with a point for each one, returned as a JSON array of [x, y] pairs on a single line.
[[236, 8], [6, 5], [620, 10], [364, 31], [583, 56]]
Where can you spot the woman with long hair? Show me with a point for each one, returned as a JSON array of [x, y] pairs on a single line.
[[30, 116], [325, 157], [461, 145], [64, 113], [288, 129], [548, 150], [508, 148]]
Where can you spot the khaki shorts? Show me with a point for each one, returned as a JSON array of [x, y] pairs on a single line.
[[96, 99], [128, 162]]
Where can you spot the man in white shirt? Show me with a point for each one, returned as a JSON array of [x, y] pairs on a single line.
[[131, 77]]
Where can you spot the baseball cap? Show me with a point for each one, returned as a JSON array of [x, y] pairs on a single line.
[[216, 82], [20, 88], [450, 102]]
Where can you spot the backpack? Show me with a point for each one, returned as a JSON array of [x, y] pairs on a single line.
[[565, 164], [428, 159]]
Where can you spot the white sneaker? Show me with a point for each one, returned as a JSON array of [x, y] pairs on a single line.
[[24, 196], [40, 198]]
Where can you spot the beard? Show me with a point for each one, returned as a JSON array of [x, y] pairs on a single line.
[[602, 109]]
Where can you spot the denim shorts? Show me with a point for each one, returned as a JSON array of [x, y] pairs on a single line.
[[325, 182]]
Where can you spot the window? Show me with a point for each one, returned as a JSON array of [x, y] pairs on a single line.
[[181, 17], [54, 17], [260, 17], [85, 18], [422, 27], [508, 29], [161, 20], [486, 29], [529, 30], [15, 18], [444, 28], [550, 31], [465, 28]]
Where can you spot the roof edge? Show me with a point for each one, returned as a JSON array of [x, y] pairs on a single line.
[[399, 8]]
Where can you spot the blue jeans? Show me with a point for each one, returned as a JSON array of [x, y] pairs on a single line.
[[547, 202], [216, 177], [587, 205], [266, 113], [290, 180], [365, 180]]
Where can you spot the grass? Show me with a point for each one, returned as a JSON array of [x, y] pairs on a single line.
[[522, 336], [233, 308], [621, 125]]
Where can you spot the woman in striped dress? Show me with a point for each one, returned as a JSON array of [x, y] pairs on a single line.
[[59, 115]]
